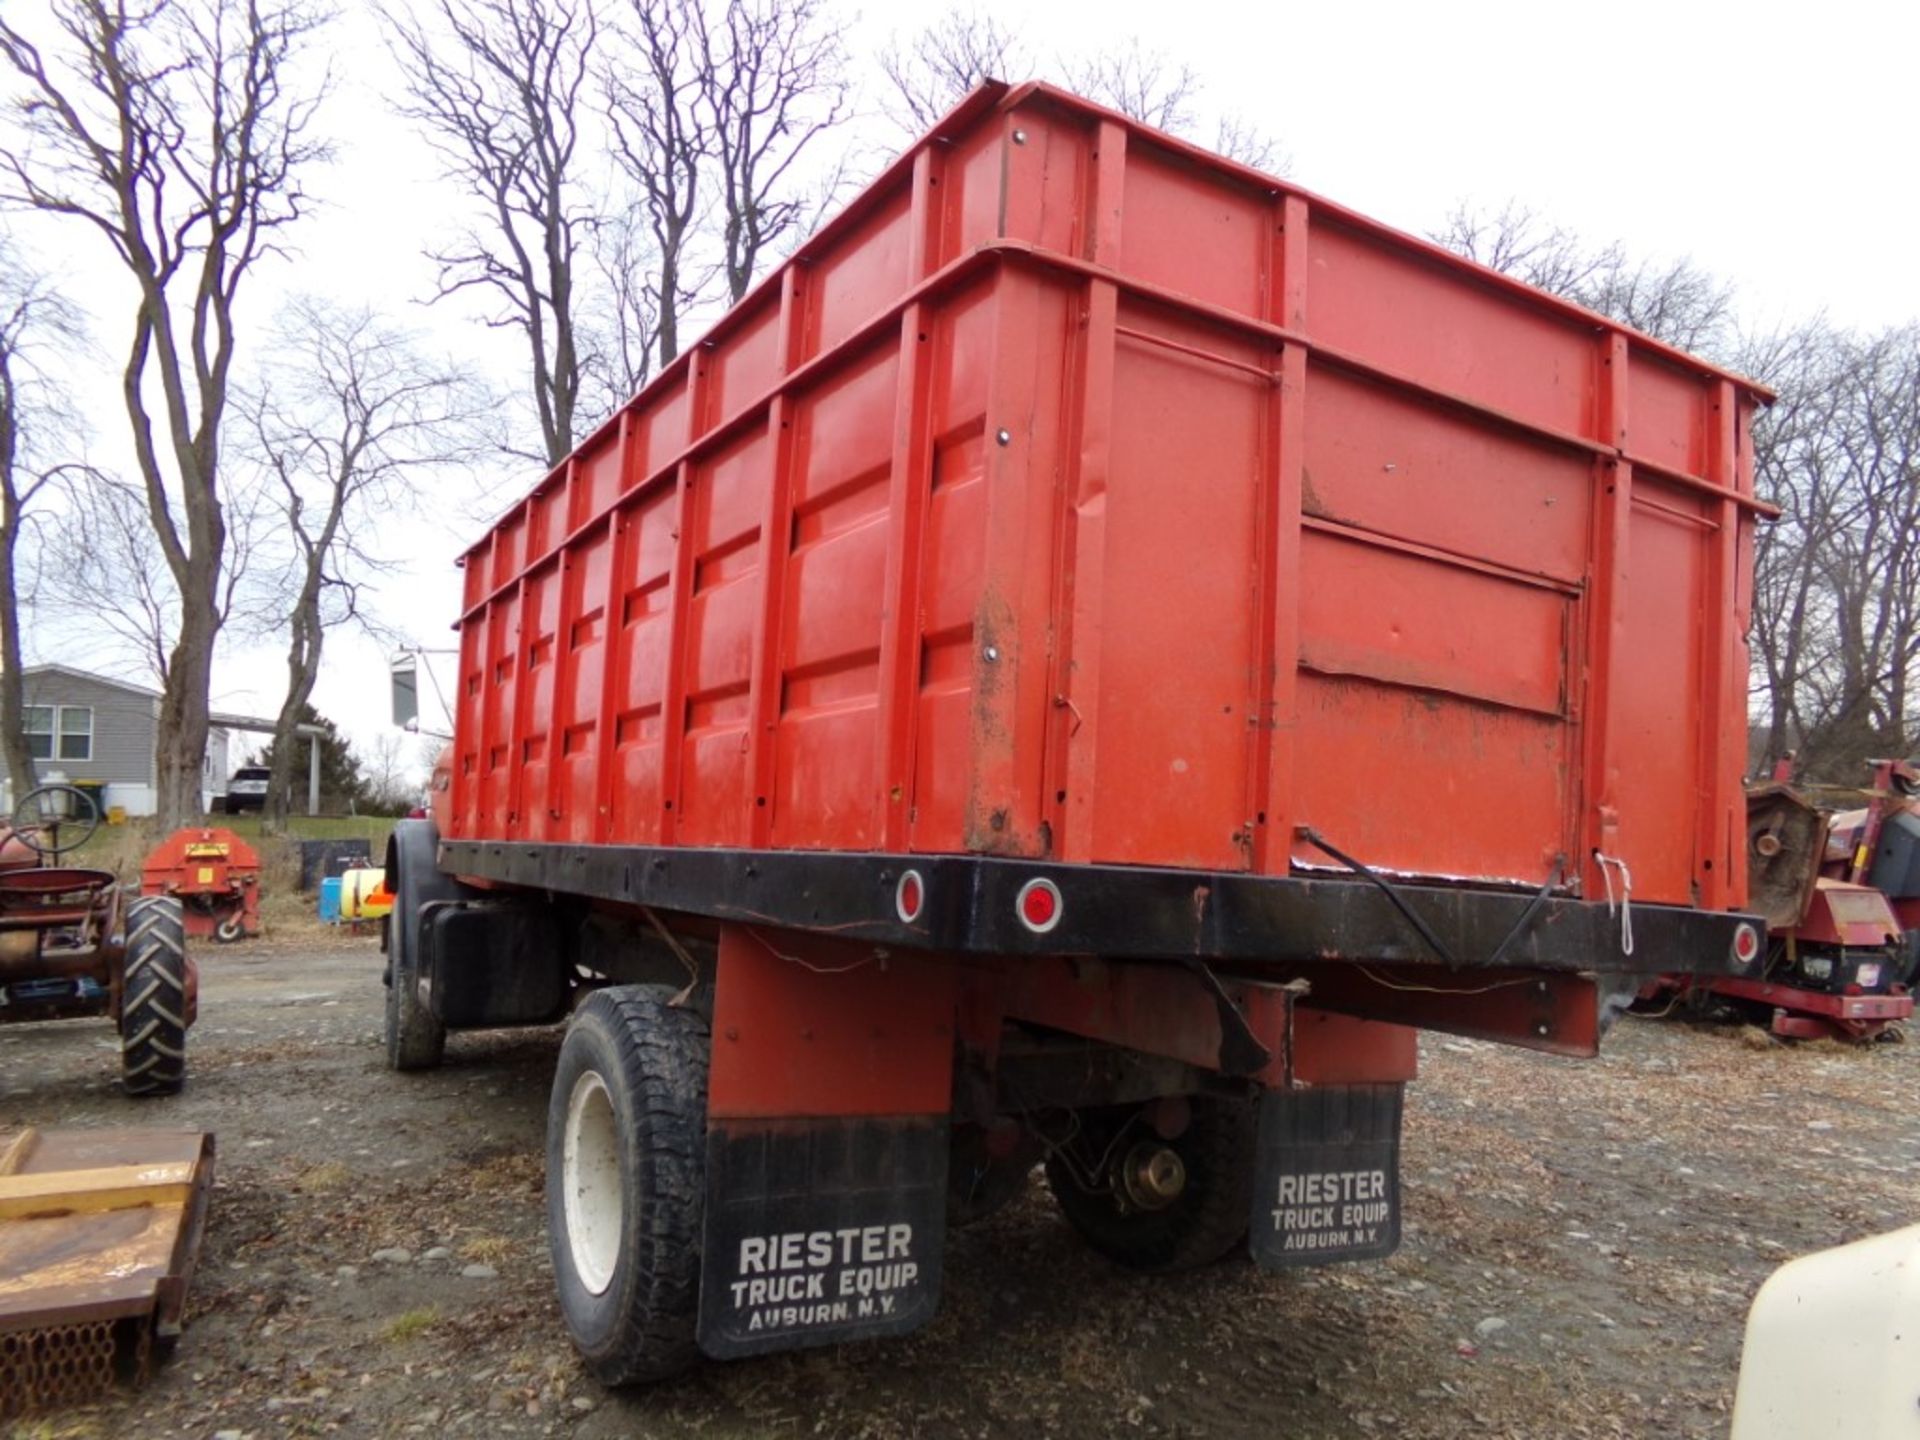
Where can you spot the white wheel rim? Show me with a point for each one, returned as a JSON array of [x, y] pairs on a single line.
[[590, 1177]]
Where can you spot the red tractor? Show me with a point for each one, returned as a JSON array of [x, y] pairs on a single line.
[[1841, 893], [72, 944]]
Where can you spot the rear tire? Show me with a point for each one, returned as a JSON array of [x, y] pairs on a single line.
[[626, 1181], [1211, 1215], [416, 1040], [153, 1006]]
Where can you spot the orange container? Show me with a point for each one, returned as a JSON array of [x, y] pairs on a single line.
[[1082, 496]]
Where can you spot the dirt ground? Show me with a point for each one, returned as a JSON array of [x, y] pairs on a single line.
[[1582, 1240]]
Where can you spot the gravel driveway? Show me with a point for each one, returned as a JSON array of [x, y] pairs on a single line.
[[1581, 1244]]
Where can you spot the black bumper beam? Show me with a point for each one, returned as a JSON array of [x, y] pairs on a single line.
[[1114, 911]]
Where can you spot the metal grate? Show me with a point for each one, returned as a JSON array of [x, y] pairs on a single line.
[[67, 1364]]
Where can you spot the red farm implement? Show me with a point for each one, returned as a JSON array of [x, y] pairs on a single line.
[[1841, 895], [214, 874]]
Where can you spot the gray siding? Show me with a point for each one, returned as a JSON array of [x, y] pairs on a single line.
[[123, 726]]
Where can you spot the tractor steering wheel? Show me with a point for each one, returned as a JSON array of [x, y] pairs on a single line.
[[39, 812]]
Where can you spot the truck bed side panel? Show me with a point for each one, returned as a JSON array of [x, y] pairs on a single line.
[[1078, 495]]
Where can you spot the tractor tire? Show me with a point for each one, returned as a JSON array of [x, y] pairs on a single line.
[[416, 1040], [626, 1180], [153, 1007], [1211, 1215]]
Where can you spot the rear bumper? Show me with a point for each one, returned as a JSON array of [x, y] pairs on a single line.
[[971, 906], [1815, 1002]]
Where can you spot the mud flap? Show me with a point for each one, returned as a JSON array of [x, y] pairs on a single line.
[[821, 1230], [1327, 1171]]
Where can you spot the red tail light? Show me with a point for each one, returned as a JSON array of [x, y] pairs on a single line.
[[1039, 905]]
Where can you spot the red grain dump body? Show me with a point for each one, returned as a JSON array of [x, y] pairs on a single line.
[[1088, 547]]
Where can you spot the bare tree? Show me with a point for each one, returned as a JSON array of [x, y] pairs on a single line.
[[653, 97], [1240, 139], [32, 316], [498, 87], [933, 69], [1676, 301], [1797, 466], [774, 80], [348, 416], [928, 73], [1518, 242], [711, 105], [389, 774], [118, 588], [179, 135], [1142, 84], [1858, 669], [622, 356], [113, 592]]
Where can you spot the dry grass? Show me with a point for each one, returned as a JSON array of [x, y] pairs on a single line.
[[44, 1428], [119, 848], [511, 1172], [318, 1179], [411, 1324], [487, 1249]]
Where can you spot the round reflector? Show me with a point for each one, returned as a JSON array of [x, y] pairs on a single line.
[[909, 895], [1746, 943], [1039, 905]]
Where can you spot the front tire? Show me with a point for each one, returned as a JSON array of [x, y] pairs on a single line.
[[626, 1175], [1208, 1219], [153, 1006], [416, 1040]]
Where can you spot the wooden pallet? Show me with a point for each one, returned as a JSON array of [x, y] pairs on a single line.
[[98, 1234]]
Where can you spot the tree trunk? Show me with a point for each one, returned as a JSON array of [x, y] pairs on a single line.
[[180, 739], [303, 669], [13, 716], [669, 313]]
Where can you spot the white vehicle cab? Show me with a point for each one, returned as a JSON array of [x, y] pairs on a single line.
[[1833, 1346]]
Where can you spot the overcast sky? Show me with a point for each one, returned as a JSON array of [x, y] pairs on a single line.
[[1771, 144]]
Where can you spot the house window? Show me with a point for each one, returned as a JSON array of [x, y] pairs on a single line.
[[62, 732], [76, 732], [40, 731]]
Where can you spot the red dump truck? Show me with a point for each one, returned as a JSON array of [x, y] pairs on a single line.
[[1076, 669]]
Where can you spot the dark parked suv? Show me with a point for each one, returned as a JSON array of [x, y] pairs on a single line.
[[247, 790]]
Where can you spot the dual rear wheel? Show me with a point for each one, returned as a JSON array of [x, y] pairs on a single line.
[[1157, 1203]]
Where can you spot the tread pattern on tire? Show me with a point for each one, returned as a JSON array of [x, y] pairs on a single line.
[[1208, 1221], [153, 1027], [661, 1053]]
